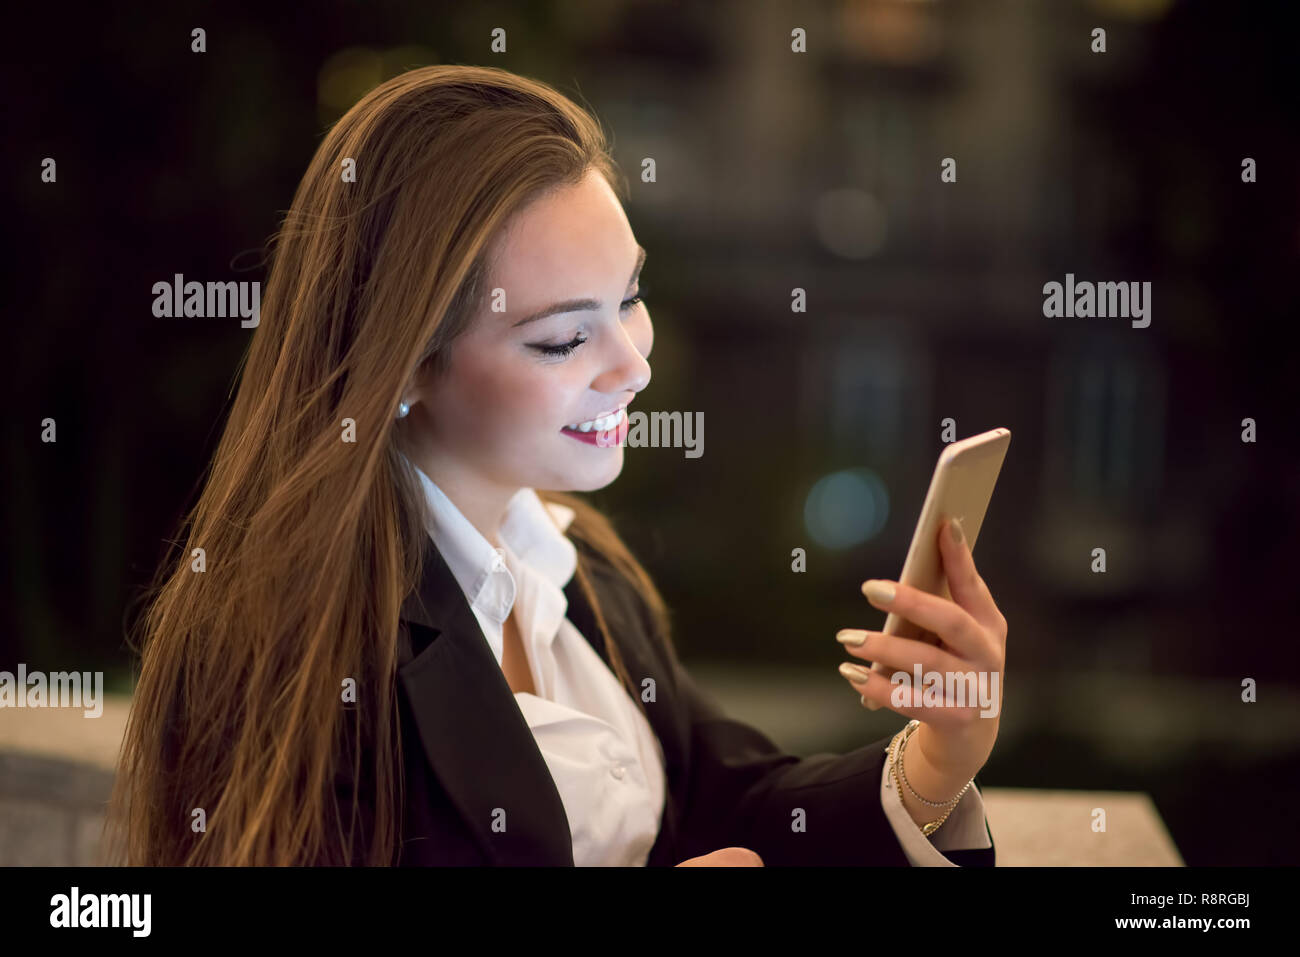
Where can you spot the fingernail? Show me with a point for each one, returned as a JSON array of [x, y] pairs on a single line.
[[851, 636], [878, 591], [955, 529], [854, 672]]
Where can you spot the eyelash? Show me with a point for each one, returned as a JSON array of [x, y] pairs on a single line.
[[566, 348]]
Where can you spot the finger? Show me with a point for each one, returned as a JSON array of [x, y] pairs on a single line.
[[898, 652], [954, 624], [965, 585], [876, 688], [907, 700]]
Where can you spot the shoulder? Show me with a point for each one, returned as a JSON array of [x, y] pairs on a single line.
[[623, 595]]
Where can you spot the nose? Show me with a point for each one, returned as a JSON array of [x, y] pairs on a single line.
[[625, 368]]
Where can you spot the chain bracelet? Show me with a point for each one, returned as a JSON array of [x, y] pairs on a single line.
[[896, 747]]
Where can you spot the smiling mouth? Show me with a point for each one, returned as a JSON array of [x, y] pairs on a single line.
[[605, 431], [601, 423]]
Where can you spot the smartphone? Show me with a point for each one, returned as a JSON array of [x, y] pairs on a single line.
[[962, 486]]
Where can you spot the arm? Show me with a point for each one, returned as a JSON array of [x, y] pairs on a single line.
[[743, 791], [964, 840]]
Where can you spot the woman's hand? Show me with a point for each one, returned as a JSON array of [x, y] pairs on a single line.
[[727, 857], [973, 637]]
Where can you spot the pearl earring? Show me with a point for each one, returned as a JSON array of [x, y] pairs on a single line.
[[402, 410]]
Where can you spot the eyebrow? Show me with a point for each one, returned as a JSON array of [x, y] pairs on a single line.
[[579, 305]]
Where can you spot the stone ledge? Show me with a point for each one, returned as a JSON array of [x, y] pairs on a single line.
[[51, 811], [56, 776], [1033, 827], [53, 780]]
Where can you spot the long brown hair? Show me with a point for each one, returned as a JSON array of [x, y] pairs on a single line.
[[310, 542]]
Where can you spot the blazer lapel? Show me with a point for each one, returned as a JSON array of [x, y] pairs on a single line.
[[477, 741]]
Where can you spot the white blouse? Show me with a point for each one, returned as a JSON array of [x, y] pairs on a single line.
[[603, 755]]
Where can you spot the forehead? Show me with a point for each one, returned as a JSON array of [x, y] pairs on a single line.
[[575, 240]]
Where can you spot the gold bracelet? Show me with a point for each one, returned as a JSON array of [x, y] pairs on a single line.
[[896, 747], [907, 733]]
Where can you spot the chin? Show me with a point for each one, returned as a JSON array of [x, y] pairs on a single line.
[[592, 479]]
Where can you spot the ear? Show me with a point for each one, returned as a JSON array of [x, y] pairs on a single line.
[[425, 375], [420, 382]]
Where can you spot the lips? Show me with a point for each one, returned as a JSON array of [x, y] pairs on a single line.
[[603, 438], [606, 420]]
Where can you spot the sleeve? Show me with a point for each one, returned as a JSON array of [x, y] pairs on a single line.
[[964, 831], [741, 790], [825, 809]]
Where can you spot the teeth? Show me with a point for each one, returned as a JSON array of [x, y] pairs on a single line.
[[603, 424]]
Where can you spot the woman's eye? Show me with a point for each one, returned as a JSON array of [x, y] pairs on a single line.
[[565, 348], [639, 297], [561, 350]]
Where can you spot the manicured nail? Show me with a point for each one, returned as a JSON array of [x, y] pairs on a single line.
[[854, 672], [851, 636], [955, 528], [878, 591]]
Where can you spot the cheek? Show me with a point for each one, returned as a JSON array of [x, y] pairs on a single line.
[[514, 396]]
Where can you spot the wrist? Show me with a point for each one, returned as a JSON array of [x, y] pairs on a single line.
[[940, 770], [941, 757], [915, 795], [937, 785]]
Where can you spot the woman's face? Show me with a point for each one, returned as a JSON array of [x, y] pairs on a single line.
[[568, 347]]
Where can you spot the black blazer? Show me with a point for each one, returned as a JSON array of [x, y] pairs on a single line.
[[468, 750]]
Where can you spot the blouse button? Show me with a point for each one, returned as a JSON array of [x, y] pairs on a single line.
[[617, 771], [498, 563]]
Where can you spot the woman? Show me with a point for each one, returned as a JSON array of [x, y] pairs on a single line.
[[381, 644]]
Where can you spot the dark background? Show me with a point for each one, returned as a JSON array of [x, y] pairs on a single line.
[[775, 170]]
